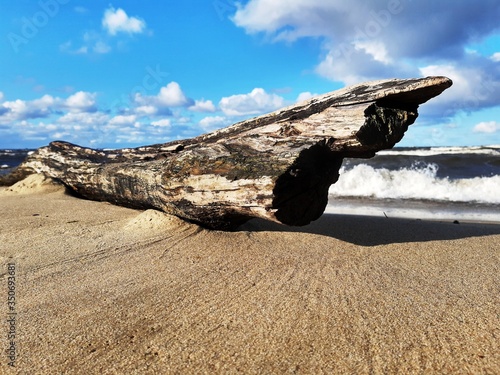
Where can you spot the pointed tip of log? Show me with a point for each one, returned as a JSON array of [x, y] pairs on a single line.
[[413, 91], [418, 91]]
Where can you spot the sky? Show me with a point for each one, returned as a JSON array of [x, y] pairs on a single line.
[[129, 73]]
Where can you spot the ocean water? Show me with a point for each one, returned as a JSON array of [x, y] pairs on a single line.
[[456, 183], [12, 158], [442, 183]]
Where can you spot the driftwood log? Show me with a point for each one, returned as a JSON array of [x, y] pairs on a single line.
[[278, 166]]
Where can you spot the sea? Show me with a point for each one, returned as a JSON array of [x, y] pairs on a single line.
[[431, 183]]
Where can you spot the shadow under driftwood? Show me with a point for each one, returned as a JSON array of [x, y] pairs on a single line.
[[372, 231]]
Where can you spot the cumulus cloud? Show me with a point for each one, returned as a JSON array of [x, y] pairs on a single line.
[[123, 120], [163, 123], [202, 106], [18, 110], [117, 21], [114, 22], [488, 127], [81, 102], [170, 95], [475, 86], [256, 102], [396, 23], [385, 39], [94, 119], [146, 110], [76, 118]]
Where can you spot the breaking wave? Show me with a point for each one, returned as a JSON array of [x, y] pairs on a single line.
[[419, 182]]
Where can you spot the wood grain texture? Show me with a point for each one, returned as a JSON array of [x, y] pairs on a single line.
[[277, 166]]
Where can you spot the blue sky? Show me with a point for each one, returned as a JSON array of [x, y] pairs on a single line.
[[129, 73]]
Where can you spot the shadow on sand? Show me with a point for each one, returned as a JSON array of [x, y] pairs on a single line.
[[372, 231]]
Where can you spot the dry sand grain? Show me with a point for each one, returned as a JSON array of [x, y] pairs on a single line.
[[105, 289]]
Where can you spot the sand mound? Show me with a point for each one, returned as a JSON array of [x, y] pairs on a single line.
[[33, 184], [155, 220]]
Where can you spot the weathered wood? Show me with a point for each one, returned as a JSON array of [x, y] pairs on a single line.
[[278, 166]]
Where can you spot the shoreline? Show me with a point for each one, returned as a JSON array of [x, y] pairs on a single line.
[[416, 209]]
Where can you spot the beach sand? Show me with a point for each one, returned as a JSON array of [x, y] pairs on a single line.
[[102, 289]]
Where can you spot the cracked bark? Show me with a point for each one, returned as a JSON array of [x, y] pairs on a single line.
[[277, 166]]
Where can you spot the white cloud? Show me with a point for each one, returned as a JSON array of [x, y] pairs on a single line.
[[366, 40], [172, 96], [1, 96], [78, 130], [211, 123], [487, 127], [256, 102], [303, 96], [123, 120], [398, 23], [308, 17], [163, 123], [169, 96], [203, 106], [463, 80], [81, 101], [473, 87], [374, 48], [101, 47], [79, 118], [355, 62], [18, 109], [92, 42], [116, 21], [146, 110], [45, 101], [68, 48]]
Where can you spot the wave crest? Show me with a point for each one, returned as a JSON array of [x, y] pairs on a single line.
[[419, 182]]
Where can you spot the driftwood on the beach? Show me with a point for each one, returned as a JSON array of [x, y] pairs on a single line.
[[277, 166]]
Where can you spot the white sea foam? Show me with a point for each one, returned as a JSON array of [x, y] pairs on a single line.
[[478, 150], [418, 182]]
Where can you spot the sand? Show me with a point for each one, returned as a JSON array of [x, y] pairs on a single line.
[[102, 289]]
